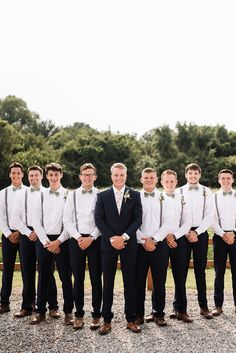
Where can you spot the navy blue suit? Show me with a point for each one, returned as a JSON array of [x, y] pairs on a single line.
[[110, 223]]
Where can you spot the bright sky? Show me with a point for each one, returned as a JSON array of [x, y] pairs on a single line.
[[128, 65]]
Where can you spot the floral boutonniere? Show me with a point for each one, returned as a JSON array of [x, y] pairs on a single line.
[[161, 197], [204, 193], [65, 194], [127, 195]]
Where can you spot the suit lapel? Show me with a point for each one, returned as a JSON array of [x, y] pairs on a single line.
[[123, 201], [112, 199]]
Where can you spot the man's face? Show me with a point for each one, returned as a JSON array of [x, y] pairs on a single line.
[[35, 178], [193, 176], [87, 178], [169, 182], [54, 179], [149, 181], [16, 176], [118, 177], [226, 181]]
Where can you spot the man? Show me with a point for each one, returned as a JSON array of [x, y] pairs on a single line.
[[201, 202], [118, 215], [10, 236], [52, 243], [224, 227], [176, 241], [23, 211], [152, 248], [85, 243]]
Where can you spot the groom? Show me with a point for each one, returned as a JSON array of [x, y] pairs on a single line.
[[118, 215]]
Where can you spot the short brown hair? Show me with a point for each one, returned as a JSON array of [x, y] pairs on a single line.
[[55, 167], [193, 166], [86, 166], [35, 167], [148, 170], [16, 165], [168, 172], [229, 171]]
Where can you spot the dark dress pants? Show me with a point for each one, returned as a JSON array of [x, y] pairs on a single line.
[[78, 261], [221, 251], [45, 263], [9, 252], [178, 258], [109, 265], [199, 250], [158, 262], [28, 267]]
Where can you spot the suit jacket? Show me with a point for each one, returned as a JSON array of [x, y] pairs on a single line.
[[111, 223]]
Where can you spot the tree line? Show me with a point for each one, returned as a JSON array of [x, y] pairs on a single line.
[[26, 138]]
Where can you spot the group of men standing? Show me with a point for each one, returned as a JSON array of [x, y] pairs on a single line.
[[144, 229]]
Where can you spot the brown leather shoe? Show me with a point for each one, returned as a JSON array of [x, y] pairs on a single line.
[[132, 326], [105, 329], [78, 323], [174, 314], [150, 318], [54, 313], [184, 317], [68, 320], [206, 313], [160, 321], [217, 311], [95, 324], [36, 318], [4, 308], [22, 313], [139, 321]]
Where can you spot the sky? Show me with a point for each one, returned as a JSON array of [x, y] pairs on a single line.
[[128, 66]]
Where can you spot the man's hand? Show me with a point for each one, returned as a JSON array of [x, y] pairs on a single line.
[[229, 238], [33, 236], [53, 246], [192, 236], [149, 244], [84, 242], [15, 237], [117, 242], [171, 241]]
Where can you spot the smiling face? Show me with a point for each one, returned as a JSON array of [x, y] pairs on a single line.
[[149, 181], [118, 177], [54, 179], [193, 176], [226, 181], [35, 178], [16, 176], [169, 182], [87, 178]]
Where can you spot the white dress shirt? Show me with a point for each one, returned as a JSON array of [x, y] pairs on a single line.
[[24, 209], [83, 221], [7, 225], [227, 213], [151, 217], [196, 198], [181, 223], [47, 217]]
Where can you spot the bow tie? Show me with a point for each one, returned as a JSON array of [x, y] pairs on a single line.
[[193, 188], [146, 194], [87, 191], [170, 195], [227, 193], [15, 188], [56, 193], [34, 189]]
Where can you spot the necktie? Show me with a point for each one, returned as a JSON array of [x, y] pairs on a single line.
[[146, 194], [170, 195], [34, 189], [227, 193], [87, 191], [196, 188], [118, 200], [15, 188], [56, 193]]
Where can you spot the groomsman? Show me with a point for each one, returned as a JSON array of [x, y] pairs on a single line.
[[10, 236], [85, 243], [23, 212], [118, 215], [152, 247], [52, 243], [224, 244], [176, 241], [201, 202]]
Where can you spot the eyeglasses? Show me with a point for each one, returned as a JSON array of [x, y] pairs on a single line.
[[87, 175]]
